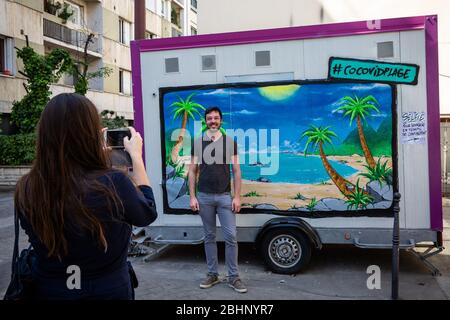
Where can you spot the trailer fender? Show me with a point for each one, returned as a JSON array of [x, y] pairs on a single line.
[[290, 223]]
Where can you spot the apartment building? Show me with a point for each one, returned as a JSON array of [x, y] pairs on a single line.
[[170, 18], [111, 26]]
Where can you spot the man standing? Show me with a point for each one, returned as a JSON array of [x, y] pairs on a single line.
[[212, 155]]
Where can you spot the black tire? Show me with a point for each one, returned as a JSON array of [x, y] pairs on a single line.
[[286, 251]]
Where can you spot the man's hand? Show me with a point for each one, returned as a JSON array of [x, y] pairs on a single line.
[[236, 205], [194, 204]]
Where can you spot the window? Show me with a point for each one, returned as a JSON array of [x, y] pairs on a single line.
[[194, 5], [125, 82], [163, 8], [70, 78], [77, 16], [176, 17], [151, 5], [176, 33], [6, 55], [193, 31], [124, 31]]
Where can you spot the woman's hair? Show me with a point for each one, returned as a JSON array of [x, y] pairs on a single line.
[[70, 153]]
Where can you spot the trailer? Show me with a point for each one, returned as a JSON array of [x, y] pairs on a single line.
[[331, 121]]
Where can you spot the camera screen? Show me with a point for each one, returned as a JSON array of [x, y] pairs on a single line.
[[115, 137]]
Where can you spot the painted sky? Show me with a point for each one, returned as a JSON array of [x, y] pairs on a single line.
[[289, 108]]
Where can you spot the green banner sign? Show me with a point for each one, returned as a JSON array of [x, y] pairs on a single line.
[[373, 71]]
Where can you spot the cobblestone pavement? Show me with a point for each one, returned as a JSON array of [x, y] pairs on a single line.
[[335, 272]]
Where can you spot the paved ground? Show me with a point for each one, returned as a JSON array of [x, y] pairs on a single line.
[[336, 272]]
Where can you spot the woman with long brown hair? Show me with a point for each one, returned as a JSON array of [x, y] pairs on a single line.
[[76, 209]]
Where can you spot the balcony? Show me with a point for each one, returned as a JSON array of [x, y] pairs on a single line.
[[69, 36], [176, 32]]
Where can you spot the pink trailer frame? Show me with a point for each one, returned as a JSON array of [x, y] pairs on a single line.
[[428, 23]]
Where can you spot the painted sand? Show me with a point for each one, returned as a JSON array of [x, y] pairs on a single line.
[[281, 194]]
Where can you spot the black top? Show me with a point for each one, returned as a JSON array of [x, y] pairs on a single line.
[[214, 159], [84, 251]]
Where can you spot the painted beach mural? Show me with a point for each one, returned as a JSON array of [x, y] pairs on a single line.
[[309, 148]]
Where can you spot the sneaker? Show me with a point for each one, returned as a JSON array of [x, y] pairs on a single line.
[[237, 285], [209, 281]]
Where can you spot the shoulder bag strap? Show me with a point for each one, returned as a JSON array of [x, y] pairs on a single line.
[[14, 266]]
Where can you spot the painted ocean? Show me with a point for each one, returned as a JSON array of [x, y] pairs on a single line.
[[295, 169]]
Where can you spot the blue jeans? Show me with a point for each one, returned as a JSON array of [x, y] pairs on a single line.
[[220, 204]]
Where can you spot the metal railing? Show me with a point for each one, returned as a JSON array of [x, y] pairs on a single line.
[[176, 32], [73, 37]]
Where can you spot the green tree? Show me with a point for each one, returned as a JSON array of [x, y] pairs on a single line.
[[184, 108], [359, 109], [65, 13], [40, 72], [80, 69], [111, 120], [318, 136]]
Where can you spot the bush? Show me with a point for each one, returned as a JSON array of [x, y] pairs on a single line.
[[40, 72], [111, 120], [18, 149]]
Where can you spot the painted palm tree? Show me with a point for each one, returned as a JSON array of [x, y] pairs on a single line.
[[318, 136], [359, 109], [186, 109], [359, 199]]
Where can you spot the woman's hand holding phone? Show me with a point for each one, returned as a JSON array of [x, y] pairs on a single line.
[[133, 146]]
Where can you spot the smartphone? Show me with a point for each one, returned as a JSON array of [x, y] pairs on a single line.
[[119, 156], [114, 137]]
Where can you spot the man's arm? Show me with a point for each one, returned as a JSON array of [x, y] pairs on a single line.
[[193, 168], [236, 205]]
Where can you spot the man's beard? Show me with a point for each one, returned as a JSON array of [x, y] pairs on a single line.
[[214, 130]]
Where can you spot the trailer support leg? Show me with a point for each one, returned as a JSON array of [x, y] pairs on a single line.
[[156, 251], [423, 256]]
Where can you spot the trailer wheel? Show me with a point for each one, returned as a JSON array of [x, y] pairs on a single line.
[[286, 251]]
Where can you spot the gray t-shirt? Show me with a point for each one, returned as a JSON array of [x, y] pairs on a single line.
[[214, 160]]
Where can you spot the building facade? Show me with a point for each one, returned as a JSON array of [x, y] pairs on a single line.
[[111, 23]]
